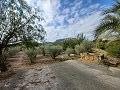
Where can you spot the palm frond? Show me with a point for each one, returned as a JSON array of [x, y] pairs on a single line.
[[111, 17], [108, 23], [114, 9]]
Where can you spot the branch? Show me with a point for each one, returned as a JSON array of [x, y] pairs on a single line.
[[14, 44], [26, 22]]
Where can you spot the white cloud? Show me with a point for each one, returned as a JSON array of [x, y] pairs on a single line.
[[85, 25], [71, 20], [77, 24], [66, 11], [48, 6]]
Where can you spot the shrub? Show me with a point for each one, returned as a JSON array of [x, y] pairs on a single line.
[[113, 48], [42, 50], [71, 42], [101, 44], [12, 51], [32, 54], [69, 51], [30, 43], [85, 46], [54, 51], [78, 49]]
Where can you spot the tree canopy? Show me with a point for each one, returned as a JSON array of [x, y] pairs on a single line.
[[19, 21]]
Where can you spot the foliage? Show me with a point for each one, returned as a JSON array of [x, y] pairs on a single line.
[[18, 23], [71, 42], [80, 38], [69, 51], [42, 50], [32, 54], [12, 51], [78, 49], [110, 22], [101, 44], [113, 48], [82, 48], [54, 51], [29, 43], [85, 46], [59, 42]]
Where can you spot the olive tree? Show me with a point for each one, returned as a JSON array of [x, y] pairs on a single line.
[[54, 51], [18, 22], [32, 54], [69, 51]]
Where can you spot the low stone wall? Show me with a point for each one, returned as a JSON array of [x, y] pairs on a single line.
[[89, 57]]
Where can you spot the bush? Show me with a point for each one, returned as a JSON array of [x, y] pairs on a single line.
[[69, 51], [113, 48], [85, 46], [32, 54], [101, 44], [78, 49], [54, 51], [41, 50], [12, 51], [30, 43], [71, 42]]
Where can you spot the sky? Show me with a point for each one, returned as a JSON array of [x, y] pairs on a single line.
[[67, 18]]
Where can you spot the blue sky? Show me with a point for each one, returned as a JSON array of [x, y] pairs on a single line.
[[67, 18]]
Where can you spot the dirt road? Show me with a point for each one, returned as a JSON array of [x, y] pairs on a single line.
[[68, 75], [73, 75]]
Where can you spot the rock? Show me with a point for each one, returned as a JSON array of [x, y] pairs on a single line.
[[39, 69], [88, 57], [53, 77], [7, 85], [111, 61], [72, 55]]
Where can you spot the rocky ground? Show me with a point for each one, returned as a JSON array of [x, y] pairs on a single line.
[[31, 79]]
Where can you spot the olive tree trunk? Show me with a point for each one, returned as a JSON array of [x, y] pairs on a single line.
[[3, 65]]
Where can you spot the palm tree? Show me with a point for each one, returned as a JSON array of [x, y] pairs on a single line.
[[111, 21]]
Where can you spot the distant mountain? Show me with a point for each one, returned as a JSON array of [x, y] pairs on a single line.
[[59, 41]]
